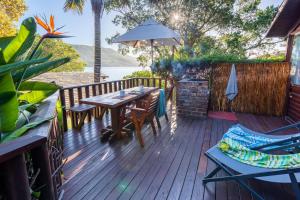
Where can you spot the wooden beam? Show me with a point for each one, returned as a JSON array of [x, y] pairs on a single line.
[[289, 48]]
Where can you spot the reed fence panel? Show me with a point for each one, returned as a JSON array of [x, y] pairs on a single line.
[[262, 88]]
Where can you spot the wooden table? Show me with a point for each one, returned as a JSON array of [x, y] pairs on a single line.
[[114, 102]]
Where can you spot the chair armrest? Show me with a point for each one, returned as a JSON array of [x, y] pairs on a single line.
[[138, 110]]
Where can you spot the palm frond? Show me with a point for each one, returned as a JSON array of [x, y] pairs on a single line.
[[76, 5]]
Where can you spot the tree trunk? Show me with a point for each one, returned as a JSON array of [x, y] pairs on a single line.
[[97, 44]]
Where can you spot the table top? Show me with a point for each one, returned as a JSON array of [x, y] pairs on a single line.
[[113, 100]]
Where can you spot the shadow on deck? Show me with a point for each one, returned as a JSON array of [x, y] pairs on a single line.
[[170, 166]]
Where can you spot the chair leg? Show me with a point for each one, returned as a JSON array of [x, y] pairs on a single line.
[[153, 126], [138, 132], [158, 122], [230, 177], [166, 116], [295, 185], [73, 119], [81, 121], [211, 174], [89, 115]]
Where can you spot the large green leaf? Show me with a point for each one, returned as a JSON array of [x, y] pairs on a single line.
[[19, 132], [9, 104], [35, 92], [36, 70], [20, 65], [4, 41], [20, 44], [24, 116]]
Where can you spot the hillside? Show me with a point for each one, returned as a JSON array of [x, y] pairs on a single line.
[[110, 57]]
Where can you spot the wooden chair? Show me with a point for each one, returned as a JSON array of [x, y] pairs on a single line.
[[144, 111]]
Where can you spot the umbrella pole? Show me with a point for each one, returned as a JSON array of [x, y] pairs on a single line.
[[152, 52]]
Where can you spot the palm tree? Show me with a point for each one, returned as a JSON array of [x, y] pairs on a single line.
[[97, 7]]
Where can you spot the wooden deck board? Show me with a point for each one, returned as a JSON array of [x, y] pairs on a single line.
[[170, 166]]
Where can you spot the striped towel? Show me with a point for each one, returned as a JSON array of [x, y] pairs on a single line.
[[247, 137], [161, 104], [245, 155]]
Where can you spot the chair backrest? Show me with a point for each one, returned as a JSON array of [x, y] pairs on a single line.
[[151, 102]]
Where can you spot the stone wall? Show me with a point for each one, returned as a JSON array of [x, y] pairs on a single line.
[[192, 98], [197, 73]]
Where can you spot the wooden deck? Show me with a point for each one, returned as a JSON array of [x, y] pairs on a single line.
[[171, 166]]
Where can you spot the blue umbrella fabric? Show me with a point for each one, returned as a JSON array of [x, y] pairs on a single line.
[[232, 85]]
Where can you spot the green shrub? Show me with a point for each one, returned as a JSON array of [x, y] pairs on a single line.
[[140, 74], [168, 67]]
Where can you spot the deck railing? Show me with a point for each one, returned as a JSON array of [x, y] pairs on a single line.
[[34, 159], [70, 96]]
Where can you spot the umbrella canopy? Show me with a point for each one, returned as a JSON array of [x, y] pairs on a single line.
[[232, 86], [149, 33]]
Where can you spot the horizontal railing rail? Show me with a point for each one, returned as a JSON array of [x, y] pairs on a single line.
[[70, 96], [39, 152]]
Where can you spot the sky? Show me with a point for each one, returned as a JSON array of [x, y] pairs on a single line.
[[81, 26]]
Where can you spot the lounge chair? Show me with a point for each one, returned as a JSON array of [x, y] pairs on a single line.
[[275, 142], [241, 172]]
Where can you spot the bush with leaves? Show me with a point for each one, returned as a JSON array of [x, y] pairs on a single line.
[[140, 74], [177, 67]]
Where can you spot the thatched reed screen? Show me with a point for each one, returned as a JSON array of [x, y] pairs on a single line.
[[262, 88]]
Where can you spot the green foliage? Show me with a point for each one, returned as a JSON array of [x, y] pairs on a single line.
[[9, 104], [14, 47], [15, 67], [10, 12], [19, 132], [57, 48], [34, 92], [140, 74], [35, 70], [239, 24], [247, 27], [177, 67]]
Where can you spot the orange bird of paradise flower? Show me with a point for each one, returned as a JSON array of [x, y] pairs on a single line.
[[50, 28]]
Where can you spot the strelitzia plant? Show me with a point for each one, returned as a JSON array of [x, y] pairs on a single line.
[[20, 61]]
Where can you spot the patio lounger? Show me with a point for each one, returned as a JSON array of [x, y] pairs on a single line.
[[264, 141], [244, 172]]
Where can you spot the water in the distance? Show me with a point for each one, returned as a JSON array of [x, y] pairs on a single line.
[[116, 73]]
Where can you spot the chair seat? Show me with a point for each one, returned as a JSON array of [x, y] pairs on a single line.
[[243, 168], [82, 107]]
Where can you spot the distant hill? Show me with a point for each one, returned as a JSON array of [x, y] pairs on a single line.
[[110, 57]]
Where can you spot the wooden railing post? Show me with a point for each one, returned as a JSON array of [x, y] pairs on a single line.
[[115, 86], [16, 178], [119, 85], [105, 88], [100, 88], [64, 113], [110, 87], [94, 90], [40, 159]]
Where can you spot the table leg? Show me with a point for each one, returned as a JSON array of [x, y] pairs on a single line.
[[115, 122]]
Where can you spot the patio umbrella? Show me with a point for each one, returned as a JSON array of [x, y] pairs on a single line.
[[232, 86], [149, 33]]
